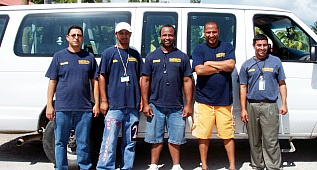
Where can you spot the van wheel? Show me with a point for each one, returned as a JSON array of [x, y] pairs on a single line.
[[96, 133], [49, 142]]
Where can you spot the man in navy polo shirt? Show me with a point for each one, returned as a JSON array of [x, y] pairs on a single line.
[[262, 78], [166, 72], [213, 62], [120, 71], [71, 73]]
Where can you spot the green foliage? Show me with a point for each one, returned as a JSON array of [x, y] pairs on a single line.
[[293, 39], [314, 27]]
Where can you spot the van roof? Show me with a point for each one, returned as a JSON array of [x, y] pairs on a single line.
[[135, 5]]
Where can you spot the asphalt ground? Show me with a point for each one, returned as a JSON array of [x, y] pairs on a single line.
[[31, 156]]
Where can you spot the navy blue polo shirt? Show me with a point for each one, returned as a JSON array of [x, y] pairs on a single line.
[[73, 72], [121, 94], [215, 89], [167, 72], [272, 71]]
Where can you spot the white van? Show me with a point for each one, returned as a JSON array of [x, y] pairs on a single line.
[[30, 35]]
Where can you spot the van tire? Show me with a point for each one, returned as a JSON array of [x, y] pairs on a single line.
[[96, 134], [49, 142]]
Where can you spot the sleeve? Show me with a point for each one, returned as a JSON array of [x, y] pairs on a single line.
[[198, 57], [281, 74], [141, 64], [104, 63], [146, 70], [94, 69], [52, 72], [243, 75], [230, 53], [187, 69]]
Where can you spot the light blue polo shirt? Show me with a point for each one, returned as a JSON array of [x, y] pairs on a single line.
[[272, 71]]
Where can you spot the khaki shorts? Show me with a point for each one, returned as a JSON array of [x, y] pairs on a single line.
[[206, 116]]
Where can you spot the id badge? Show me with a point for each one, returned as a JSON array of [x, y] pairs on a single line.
[[125, 79], [261, 83]]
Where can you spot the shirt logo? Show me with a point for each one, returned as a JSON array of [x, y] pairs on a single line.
[[251, 70], [133, 59], [157, 61], [219, 55], [267, 69], [175, 60], [63, 63], [114, 61], [83, 62]]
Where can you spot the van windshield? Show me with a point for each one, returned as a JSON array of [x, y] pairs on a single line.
[[45, 34]]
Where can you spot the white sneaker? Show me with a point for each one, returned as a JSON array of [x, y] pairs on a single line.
[[152, 167], [177, 167]]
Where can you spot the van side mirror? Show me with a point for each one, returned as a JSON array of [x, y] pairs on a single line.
[[313, 53]]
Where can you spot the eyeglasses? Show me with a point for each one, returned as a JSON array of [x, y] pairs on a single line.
[[76, 35]]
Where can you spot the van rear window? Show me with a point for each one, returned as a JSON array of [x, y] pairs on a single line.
[[196, 23], [45, 34], [3, 24]]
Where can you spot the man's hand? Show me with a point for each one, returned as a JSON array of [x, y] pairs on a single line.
[[187, 111], [96, 110], [147, 110], [244, 116], [283, 110], [104, 107], [50, 113]]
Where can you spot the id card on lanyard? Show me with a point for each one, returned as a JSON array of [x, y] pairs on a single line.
[[125, 78]]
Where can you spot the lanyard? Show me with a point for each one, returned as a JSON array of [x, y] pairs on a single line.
[[124, 66], [261, 70]]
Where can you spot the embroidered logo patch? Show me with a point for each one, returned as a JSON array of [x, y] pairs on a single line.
[[251, 70], [175, 60], [267, 69], [157, 61], [219, 55], [114, 61], [83, 62], [133, 59], [63, 63]]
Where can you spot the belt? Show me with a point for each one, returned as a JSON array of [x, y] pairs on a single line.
[[261, 101]]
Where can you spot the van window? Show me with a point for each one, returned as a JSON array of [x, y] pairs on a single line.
[[44, 34], [289, 41], [152, 23], [3, 24], [196, 23]]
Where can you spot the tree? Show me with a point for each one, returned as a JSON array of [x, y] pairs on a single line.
[[314, 27]]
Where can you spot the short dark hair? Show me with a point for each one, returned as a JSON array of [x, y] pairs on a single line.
[[211, 23], [75, 27], [168, 25], [259, 37]]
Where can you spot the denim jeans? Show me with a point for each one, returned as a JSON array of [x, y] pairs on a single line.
[[128, 119], [170, 117], [64, 123]]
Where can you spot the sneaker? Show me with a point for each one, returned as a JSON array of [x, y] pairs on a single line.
[[152, 167], [177, 167]]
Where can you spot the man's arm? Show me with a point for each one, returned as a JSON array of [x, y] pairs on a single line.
[[243, 102], [188, 91], [145, 87], [225, 65], [50, 95], [103, 95], [283, 93], [204, 70], [95, 89]]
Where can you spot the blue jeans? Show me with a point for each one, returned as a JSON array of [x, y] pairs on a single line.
[[64, 123], [128, 119], [172, 118]]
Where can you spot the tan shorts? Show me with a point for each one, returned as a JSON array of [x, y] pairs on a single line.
[[206, 116]]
